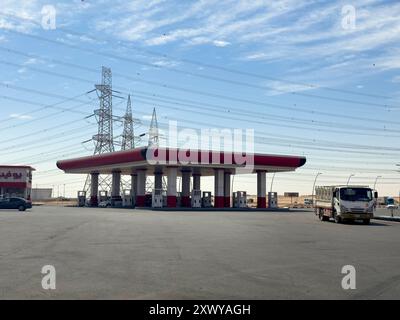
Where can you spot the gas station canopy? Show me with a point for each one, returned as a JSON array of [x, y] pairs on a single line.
[[199, 161]]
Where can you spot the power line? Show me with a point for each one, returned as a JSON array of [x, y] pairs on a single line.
[[41, 131], [49, 94], [297, 109], [358, 152], [297, 127], [45, 145], [37, 142], [271, 124], [38, 118], [44, 106], [46, 153], [197, 63], [188, 101], [232, 110], [309, 168], [280, 119], [312, 141]]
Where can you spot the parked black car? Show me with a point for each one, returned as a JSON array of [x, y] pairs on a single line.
[[15, 203]]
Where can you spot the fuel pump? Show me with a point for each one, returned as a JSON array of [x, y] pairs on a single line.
[[196, 199], [272, 199], [157, 198], [81, 198], [206, 199], [240, 199]]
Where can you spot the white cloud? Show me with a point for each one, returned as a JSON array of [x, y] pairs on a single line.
[[26, 15], [20, 116], [30, 61], [221, 43], [205, 21], [256, 56], [165, 63], [387, 62], [396, 79], [18, 13], [304, 34], [277, 87]]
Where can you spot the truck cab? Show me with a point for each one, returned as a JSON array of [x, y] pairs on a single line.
[[345, 203]]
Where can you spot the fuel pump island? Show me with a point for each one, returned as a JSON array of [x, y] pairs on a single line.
[[159, 162]]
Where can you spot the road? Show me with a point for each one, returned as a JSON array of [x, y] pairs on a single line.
[[140, 254]]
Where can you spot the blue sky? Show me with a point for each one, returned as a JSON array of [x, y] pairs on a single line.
[[289, 69]]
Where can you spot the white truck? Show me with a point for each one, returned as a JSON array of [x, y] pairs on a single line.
[[345, 203]]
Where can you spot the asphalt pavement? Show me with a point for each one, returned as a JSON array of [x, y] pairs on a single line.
[[141, 254]]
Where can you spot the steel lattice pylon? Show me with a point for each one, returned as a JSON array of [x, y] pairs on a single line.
[[128, 138], [104, 140], [154, 141], [153, 131]]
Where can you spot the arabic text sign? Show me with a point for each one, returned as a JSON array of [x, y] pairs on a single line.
[[13, 175]]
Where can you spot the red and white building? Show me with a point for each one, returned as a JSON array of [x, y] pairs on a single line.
[[16, 181], [159, 162]]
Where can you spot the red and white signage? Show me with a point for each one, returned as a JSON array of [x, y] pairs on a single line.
[[13, 176]]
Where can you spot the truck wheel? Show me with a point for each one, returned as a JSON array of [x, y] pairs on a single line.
[[366, 221], [338, 219], [322, 217]]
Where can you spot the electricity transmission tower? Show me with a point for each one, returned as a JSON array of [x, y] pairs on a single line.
[[153, 131], [154, 141], [104, 140], [128, 138]]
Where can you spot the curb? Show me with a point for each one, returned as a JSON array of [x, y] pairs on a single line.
[[216, 209], [396, 219]]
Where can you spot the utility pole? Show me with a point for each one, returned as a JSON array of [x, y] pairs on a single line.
[[272, 181], [376, 179], [348, 180], [313, 188], [398, 165]]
